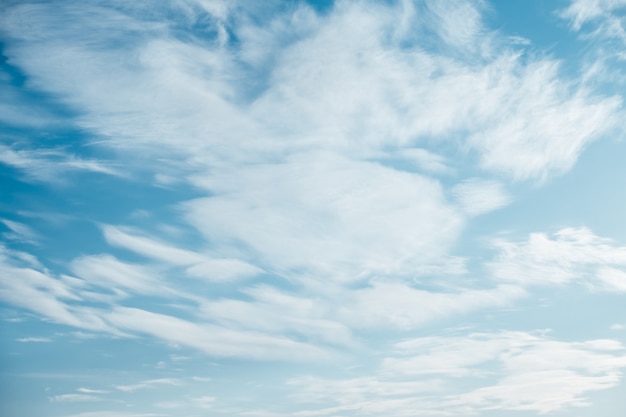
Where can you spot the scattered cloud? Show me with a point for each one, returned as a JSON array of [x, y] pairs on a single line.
[[34, 339], [584, 11], [212, 339], [74, 398], [204, 402], [19, 232], [312, 176], [402, 306], [91, 391], [478, 196], [569, 254], [198, 265], [109, 272], [50, 165], [521, 117], [152, 383], [327, 215], [517, 371]]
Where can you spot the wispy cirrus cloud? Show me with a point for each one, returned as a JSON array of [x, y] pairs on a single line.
[[91, 391], [68, 300], [581, 12], [427, 374], [74, 398], [20, 232], [50, 165], [34, 339], [212, 339], [198, 265], [148, 384], [603, 23], [479, 196], [164, 89]]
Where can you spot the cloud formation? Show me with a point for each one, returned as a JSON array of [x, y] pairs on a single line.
[[569, 254], [306, 197]]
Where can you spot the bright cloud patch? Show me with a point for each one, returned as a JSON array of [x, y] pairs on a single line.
[[516, 371], [331, 217], [305, 208], [569, 255]]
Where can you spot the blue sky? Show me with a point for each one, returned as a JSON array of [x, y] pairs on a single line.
[[291, 208]]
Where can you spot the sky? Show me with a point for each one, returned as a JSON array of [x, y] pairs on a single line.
[[312, 208]]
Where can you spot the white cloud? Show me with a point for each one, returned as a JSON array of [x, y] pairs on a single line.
[[152, 383], [277, 312], [20, 232], [458, 22], [521, 116], [131, 239], [50, 165], [402, 306], [212, 339], [204, 402], [480, 196], [199, 265], [223, 270], [43, 294], [169, 404], [314, 161], [34, 339], [15, 110], [536, 137], [108, 272], [91, 391], [514, 371], [358, 390], [569, 254], [73, 398], [328, 216], [584, 11], [612, 279]]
